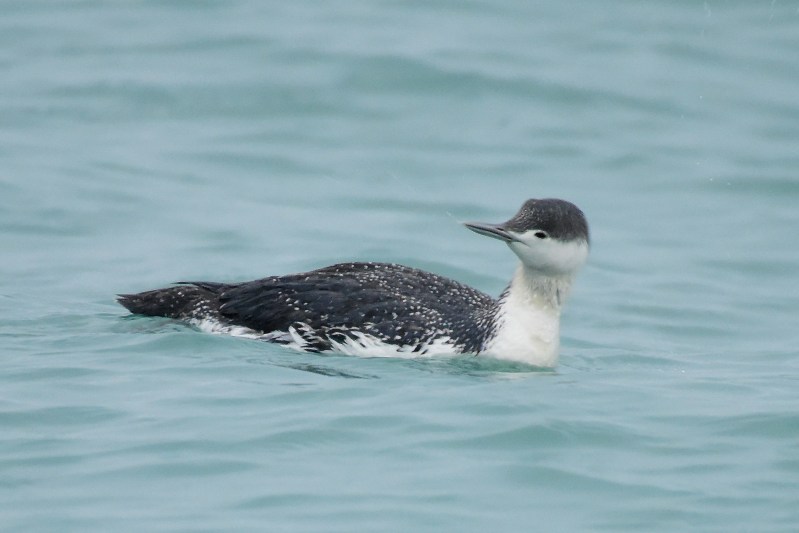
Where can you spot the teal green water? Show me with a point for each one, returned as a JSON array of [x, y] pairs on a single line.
[[144, 142]]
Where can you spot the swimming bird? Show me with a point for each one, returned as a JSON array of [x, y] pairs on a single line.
[[385, 309]]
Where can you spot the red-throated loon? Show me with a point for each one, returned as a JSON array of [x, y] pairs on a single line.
[[384, 309]]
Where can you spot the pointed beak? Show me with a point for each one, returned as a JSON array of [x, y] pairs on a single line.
[[497, 231]]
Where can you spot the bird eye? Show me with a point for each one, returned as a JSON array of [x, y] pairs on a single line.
[[541, 234]]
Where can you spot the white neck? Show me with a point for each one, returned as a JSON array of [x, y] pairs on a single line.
[[528, 328]]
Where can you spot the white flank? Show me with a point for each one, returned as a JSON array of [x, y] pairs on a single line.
[[363, 345], [210, 325], [357, 343]]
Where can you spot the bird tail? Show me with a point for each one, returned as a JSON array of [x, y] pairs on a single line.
[[182, 301]]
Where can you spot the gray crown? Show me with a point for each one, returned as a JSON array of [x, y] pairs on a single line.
[[562, 220]]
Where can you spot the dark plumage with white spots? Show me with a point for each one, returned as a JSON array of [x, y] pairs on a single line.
[[393, 303]]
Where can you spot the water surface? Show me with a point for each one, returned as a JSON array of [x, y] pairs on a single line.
[[147, 142]]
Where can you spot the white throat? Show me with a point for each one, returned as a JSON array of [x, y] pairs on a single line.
[[528, 327]]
